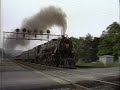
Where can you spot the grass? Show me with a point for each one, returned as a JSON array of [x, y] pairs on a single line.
[[115, 64], [97, 65]]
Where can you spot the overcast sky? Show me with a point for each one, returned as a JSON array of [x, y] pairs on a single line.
[[83, 16]]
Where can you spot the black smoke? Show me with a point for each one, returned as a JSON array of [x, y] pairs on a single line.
[[43, 20]]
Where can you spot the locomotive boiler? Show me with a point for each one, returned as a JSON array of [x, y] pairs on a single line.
[[56, 52]]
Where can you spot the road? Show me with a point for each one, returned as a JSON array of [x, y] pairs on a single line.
[[17, 77]]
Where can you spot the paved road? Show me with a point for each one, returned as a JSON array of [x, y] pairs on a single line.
[[16, 77]]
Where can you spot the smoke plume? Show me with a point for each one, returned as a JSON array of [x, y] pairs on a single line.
[[43, 20], [46, 18]]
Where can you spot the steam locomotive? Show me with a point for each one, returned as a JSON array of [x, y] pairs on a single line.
[[56, 52]]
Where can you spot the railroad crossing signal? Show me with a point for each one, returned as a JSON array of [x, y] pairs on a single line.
[[25, 34]]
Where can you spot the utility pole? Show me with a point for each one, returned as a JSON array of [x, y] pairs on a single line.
[[119, 11], [0, 26]]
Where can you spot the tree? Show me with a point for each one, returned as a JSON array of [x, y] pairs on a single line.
[[114, 28], [88, 47], [110, 41], [78, 47], [95, 44], [85, 48]]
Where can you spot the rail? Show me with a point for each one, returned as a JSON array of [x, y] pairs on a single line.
[[53, 75], [60, 70]]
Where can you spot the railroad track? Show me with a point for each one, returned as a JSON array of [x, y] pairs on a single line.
[[43, 69], [88, 77], [31, 67]]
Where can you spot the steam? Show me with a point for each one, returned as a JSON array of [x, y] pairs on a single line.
[[43, 20]]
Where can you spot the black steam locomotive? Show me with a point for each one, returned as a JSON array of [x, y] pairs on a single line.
[[57, 53]]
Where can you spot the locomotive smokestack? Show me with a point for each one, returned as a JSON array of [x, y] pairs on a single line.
[[43, 20]]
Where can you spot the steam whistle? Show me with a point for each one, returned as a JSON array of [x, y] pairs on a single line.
[[24, 30], [48, 34], [17, 31]]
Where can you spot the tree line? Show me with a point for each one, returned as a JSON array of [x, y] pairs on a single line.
[[89, 48]]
